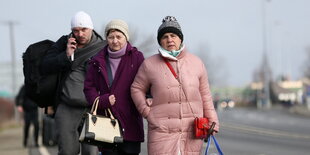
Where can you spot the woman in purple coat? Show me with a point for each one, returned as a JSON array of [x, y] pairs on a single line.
[[109, 76]]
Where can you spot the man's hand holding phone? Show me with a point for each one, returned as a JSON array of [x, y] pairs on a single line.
[[71, 47]]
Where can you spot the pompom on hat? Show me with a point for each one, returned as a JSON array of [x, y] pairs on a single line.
[[119, 25], [169, 25], [81, 19]]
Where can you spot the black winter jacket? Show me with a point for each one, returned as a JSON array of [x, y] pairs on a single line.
[[57, 62]]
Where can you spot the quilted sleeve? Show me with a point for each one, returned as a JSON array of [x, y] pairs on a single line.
[[139, 88]]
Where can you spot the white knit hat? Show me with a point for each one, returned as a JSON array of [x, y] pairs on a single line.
[[81, 19], [119, 25]]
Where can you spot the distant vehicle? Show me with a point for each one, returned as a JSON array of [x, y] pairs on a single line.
[[227, 104]]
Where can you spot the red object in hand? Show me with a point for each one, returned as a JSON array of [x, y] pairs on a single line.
[[201, 127]]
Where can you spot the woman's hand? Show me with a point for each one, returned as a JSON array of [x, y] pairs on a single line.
[[112, 99]]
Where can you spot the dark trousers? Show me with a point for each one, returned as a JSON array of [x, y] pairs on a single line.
[[126, 148], [31, 118], [67, 121]]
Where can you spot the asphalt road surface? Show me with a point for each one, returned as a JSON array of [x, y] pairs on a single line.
[[272, 132]]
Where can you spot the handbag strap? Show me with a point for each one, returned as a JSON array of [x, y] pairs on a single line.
[[171, 68], [111, 115], [216, 145], [177, 78], [95, 107]]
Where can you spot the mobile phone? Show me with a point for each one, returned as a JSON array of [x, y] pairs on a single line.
[[71, 35], [73, 43]]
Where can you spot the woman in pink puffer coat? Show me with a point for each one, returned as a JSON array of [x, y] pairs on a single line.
[[177, 98]]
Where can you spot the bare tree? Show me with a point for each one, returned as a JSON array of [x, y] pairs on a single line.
[[145, 43], [307, 64], [215, 66]]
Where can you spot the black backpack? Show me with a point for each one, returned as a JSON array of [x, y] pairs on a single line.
[[39, 88]]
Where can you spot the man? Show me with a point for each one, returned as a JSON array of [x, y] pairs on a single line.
[[68, 57], [30, 111]]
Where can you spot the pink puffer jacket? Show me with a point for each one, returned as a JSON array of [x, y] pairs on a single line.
[[171, 112]]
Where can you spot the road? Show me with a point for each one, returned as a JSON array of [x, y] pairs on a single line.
[[272, 132], [246, 131]]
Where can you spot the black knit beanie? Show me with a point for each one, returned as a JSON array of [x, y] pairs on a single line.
[[169, 25]]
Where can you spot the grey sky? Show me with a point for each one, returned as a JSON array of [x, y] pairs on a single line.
[[230, 30]]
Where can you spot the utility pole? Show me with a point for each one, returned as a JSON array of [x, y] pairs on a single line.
[[11, 25], [13, 53], [266, 103]]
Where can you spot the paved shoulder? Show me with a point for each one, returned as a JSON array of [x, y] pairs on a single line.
[[11, 141]]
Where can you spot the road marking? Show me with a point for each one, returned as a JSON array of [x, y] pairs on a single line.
[[42, 149], [264, 131]]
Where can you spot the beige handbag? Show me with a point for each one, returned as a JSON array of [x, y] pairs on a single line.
[[100, 130]]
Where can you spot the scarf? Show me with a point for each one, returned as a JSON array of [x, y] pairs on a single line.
[[115, 58], [172, 54]]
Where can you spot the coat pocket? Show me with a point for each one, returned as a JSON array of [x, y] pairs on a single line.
[[152, 121]]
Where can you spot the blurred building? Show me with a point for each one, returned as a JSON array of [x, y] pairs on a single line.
[[287, 92], [284, 92]]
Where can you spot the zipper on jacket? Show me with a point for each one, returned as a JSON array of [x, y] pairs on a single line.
[[100, 70]]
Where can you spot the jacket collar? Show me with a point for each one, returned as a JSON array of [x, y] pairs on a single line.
[[168, 56]]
